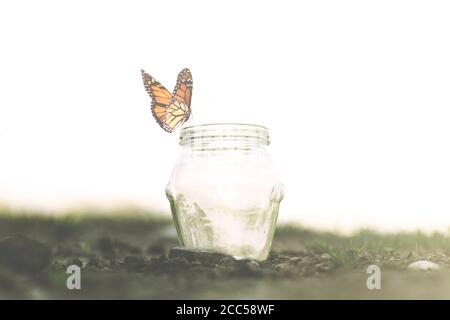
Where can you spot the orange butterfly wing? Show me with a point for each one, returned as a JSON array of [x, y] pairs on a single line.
[[156, 90], [183, 88], [169, 110]]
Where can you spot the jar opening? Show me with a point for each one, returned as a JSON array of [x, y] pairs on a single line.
[[225, 135]]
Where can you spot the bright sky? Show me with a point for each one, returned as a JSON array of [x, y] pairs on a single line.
[[355, 94]]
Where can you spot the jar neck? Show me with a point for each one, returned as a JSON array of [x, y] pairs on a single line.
[[224, 137]]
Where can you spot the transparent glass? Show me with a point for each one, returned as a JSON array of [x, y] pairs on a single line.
[[224, 191]]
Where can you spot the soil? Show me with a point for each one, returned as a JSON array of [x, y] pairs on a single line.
[[137, 256]]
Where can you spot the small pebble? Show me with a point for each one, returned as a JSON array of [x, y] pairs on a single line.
[[326, 256], [304, 264], [227, 262], [248, 267], [251, 264], [424, 265], [295, 259], [323, 266], [282, 266]]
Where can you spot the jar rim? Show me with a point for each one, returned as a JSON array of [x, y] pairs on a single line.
[[233, 124], [238, 132]]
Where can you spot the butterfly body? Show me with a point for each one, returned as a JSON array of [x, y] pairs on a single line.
[[170, 110]]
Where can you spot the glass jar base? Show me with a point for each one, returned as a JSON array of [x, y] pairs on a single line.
[[240, 233]]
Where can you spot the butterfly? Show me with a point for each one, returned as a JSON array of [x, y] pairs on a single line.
[[170, 110]]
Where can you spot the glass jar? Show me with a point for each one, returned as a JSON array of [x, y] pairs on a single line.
[[224, 191]]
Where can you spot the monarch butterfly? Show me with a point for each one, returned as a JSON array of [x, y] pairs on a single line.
[[170, 110]]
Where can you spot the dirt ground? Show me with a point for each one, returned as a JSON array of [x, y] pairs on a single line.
[[133, 255]]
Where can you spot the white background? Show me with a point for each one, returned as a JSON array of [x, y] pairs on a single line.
[[355, 94]]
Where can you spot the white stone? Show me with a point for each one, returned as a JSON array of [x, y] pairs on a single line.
[[424, 265]]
